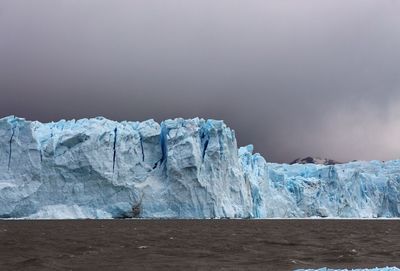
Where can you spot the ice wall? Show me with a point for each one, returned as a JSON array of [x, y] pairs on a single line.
[[98, 168]]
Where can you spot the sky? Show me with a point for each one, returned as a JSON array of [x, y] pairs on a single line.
[[294, 78]]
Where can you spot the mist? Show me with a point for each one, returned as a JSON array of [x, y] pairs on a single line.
[[318, 78]]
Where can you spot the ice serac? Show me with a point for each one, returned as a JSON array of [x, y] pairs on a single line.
[[98, 168]]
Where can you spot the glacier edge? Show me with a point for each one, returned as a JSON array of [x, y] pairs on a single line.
[[99, 168]]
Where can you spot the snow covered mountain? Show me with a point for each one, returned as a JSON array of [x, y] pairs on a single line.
[[315, 160], [98, 168]]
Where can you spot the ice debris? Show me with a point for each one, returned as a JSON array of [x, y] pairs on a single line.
[[367, 269]]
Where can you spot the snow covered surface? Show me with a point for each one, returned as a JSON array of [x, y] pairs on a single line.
[[98, 168], [315, 160], [372, 269]]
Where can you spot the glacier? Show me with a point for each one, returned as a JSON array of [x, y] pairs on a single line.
[[179, 168]]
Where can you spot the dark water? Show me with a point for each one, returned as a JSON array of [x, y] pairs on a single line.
[[198, 244]]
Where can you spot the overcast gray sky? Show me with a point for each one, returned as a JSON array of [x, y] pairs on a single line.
[[295, 78]]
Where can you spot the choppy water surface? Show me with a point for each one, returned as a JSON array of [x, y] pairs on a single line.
[[198, 244]]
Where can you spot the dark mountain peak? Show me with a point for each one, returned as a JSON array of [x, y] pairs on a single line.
[[315, 160]]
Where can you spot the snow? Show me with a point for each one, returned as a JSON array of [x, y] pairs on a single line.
[[98, 168]]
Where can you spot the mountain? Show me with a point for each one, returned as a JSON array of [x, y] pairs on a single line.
[[98, 168], [315, 160]]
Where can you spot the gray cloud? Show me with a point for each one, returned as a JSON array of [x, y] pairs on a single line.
[[294, 78]]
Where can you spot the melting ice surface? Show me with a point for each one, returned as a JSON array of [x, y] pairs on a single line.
[[98, 168]]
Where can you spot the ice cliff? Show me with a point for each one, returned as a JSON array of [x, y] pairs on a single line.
[[98, 168]]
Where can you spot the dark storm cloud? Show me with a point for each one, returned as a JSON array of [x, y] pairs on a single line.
[[294, 78]]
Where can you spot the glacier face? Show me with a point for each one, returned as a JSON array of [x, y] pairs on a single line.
[[98, 168]]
